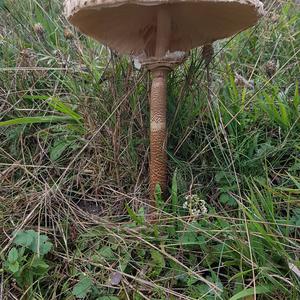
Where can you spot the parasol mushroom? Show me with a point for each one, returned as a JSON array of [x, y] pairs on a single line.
[[159, 33]]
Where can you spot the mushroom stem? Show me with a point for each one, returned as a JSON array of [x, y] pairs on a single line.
[[158, 133], [158, 110]]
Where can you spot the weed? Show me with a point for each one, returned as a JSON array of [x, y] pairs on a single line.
[[26, 262]]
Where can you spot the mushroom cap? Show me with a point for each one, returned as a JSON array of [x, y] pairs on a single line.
[[130, 26]]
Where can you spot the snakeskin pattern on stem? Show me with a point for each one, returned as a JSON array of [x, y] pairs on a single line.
[[158, 132]]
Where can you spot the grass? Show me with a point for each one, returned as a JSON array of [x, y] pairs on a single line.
[[73, 166]]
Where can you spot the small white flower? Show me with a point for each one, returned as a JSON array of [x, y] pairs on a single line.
[[196, 205]]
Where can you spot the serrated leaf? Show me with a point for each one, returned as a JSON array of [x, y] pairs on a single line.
[[83, 287], [40, 264], [14, 267], [34, 241], [41, 244], [21, 251], [24, 238], [13, 255]]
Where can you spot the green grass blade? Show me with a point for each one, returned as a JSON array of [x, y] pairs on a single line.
[[64, 108], [264, 289], [35, 120]]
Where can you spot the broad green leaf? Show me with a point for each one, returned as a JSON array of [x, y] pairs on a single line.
[[251, 291], [83, 287], [125, 261], [220, 176], [14, 267], [21, 251], [41, 244], [39, 265], [57, 150], [225, 198], [24, 238], [34, 241], [27, 277], [158, 263], [13, 255], [189, 238], [107, 253]]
